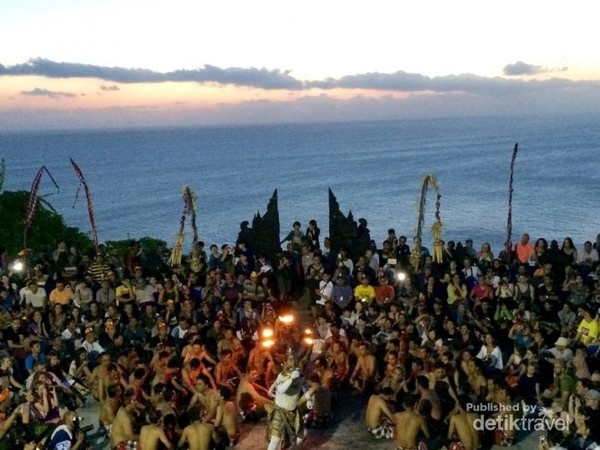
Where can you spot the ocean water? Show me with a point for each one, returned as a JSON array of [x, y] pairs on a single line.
[[374, 169]]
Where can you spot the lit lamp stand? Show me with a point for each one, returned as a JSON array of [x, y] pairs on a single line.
[[286, 330], [20, 266], [267, 338], [286, 337]]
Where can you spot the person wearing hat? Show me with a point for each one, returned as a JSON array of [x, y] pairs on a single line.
[[560, 350], [90, 343]]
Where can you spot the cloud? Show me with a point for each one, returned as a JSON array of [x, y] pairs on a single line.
[[278, 79], [522, 68], [113, 87], [580, 98], [252, 77], [38, 92], [411, 82]]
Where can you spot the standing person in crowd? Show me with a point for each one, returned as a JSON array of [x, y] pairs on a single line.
[[524, 251], [313, 232], [296, 236]]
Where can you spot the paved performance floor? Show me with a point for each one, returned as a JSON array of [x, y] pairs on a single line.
[[348, 432]]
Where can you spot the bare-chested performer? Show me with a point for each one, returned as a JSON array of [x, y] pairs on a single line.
[[363, 376], [109, 408], [227, 373], [190, 373], [462, 427], [196, 435], [153, 433], [196, 350], [261, 360], [339, 363], [99, 377], [408, 426], [248, 398], [226, 421], [206, 397], [122, 436], [429, 395], [379, 416]]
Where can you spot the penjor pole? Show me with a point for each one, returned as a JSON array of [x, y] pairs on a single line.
[[88, 197], [508, 244], [189, 209], [32, 207]]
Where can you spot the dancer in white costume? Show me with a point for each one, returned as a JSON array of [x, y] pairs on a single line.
[[285, 422]]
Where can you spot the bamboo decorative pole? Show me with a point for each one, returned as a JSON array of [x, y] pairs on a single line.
[[508, 244], [88, 197]]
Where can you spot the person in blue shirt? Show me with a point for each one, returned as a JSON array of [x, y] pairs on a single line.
[[67, 436], [36, 355]]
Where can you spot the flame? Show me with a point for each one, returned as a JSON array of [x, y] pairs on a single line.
[[267, 333], [287, 319], [268, 343]]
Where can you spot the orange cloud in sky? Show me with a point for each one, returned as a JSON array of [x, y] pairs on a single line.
[[34, 92]]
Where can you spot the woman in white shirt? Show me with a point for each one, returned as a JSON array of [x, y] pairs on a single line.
[[490, 353]]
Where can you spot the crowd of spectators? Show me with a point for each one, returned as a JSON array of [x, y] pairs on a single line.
[[426, 347]]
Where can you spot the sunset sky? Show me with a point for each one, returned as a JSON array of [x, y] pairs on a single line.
[[91, 63]]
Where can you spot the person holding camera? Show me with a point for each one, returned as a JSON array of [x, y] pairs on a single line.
[[68, 435]]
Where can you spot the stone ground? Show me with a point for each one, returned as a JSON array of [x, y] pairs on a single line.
[[347, 432]]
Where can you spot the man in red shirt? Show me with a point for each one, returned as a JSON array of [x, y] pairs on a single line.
[[384, 292]]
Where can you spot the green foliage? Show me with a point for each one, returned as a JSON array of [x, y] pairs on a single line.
[[149, 245], [47, 229]]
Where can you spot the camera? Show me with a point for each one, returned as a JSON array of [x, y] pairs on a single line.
[[87, 428], [78, 427]]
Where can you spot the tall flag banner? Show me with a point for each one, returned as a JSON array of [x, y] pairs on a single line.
[[33, 200], [88, 197]]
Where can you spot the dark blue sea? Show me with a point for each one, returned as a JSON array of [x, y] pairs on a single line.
[[374, 169]]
